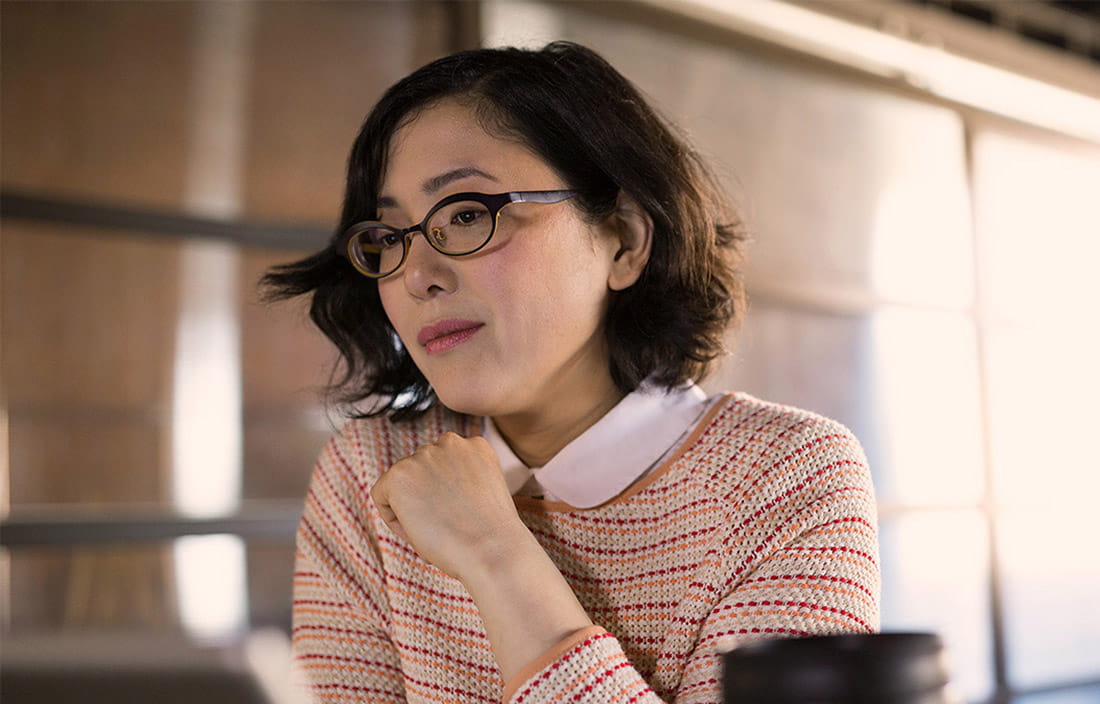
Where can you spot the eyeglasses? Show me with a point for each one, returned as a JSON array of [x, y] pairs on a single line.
[[458, 225]]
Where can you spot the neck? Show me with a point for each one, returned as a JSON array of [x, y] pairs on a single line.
[[536, 437]]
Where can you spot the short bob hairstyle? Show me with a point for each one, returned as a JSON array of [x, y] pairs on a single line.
[[593, 127]]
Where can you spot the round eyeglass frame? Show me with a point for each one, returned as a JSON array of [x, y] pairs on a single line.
[[494, 202]]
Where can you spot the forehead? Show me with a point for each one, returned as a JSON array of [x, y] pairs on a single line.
[[449, 136]]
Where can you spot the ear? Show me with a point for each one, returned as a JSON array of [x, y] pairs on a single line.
[[632, 228]]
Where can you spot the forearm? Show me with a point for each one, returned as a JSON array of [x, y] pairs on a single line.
[[449, 500], [525, 603]]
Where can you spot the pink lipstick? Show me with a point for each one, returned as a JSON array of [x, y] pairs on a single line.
[[447, 334]]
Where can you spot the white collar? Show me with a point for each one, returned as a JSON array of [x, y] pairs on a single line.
[[612, 454]]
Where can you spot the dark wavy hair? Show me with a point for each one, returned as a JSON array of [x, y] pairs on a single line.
[[594, 128]]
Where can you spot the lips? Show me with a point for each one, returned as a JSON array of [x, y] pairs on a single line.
[[447, 334]]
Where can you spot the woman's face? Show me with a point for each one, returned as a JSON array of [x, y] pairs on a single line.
[[517, 326]]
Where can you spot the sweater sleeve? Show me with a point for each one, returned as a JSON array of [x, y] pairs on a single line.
[[801, 558], [341, 634]]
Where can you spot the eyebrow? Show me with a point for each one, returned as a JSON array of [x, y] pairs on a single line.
[[436, 183]]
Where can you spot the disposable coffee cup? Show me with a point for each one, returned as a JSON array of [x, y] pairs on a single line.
[[880, 668]]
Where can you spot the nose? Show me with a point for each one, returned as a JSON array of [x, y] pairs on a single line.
[[427, 273]]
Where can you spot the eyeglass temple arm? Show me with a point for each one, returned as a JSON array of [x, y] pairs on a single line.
[[540, 196]]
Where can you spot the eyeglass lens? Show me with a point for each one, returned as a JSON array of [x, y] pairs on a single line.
[[456, 228]]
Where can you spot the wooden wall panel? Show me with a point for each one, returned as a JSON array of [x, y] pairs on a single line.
[[286, 359], [86, 458], [98, 104], [95, 99], [318, 68], [285, 362], [271, 574], [86, 357], [89, 318], [92, 588]]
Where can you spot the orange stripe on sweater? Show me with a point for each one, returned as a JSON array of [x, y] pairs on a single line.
[[438, 693], [432, 663], [449, 606], [431, 572], [387, 673], [349, 549], [808, 587], [599, 666], [328, 638], [696, 516], [794, 553], [640, 554], [433, 632], [807, 613]]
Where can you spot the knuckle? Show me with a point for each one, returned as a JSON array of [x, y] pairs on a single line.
[[482, 447], [378, 492]]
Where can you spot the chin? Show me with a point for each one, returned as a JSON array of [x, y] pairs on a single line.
[[469, 396], [467, 406]]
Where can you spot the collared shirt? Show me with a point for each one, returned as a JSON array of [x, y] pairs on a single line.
[[620, 448]]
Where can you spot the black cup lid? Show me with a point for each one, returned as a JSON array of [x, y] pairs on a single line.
[[879, 667]]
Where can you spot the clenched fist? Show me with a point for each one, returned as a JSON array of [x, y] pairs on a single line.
[[449, 500]]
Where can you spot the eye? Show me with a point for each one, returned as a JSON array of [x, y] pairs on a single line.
[[376, 239], [468, 216]]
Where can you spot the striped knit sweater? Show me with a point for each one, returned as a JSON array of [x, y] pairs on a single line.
[[761, 524]]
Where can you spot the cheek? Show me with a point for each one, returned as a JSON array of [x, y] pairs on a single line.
[[391, 304], [557, 288]]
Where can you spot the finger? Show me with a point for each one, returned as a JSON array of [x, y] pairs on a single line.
[[449, 438], [395, 525], [380, 496]]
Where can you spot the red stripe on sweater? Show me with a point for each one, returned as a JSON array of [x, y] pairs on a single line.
[[587, 642], [433, 687], [305, 657], [798, 604], [811, 577], [548, 540], [416, 618], [314, 503], [362, 690], [604, 676], [425, 589], [450, 658], [334, 562]]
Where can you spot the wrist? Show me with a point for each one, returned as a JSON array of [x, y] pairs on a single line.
[[526, 604], [511, 553]]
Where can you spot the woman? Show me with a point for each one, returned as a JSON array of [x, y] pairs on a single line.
[[535, 502]]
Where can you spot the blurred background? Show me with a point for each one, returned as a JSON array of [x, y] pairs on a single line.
[[921, 180]]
